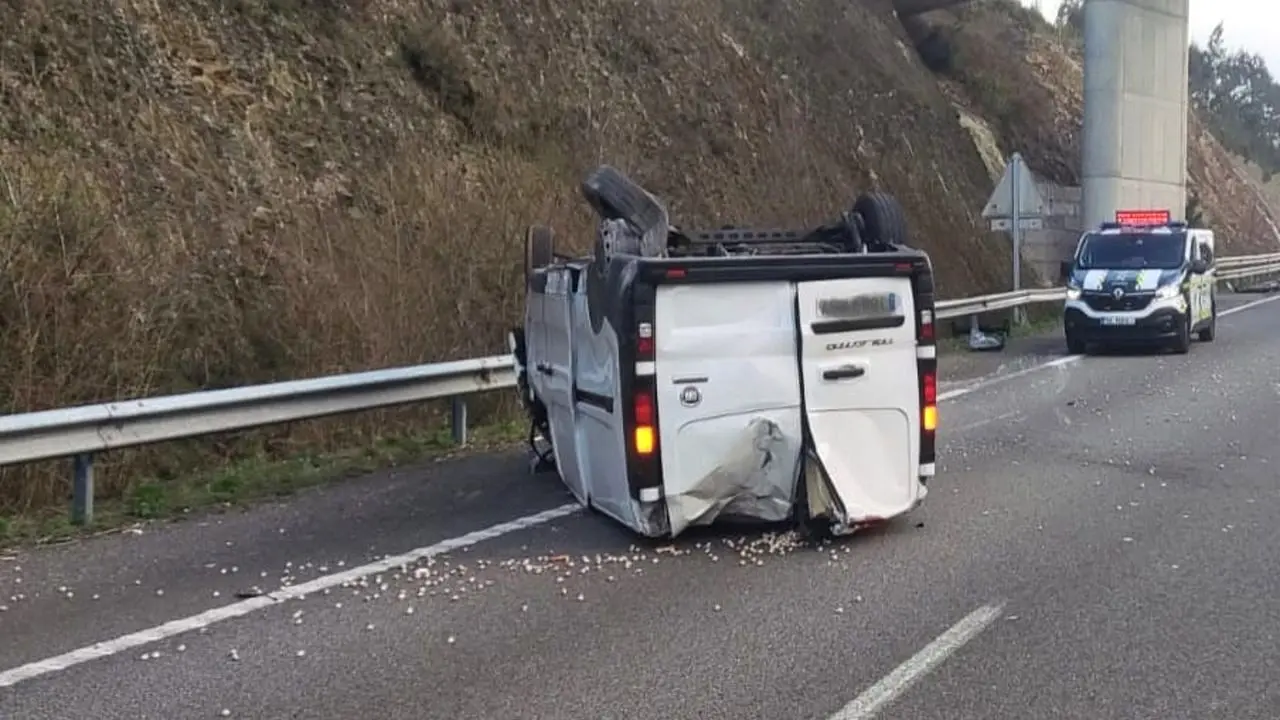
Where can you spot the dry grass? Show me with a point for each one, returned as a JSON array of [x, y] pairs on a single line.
[[211, 193]]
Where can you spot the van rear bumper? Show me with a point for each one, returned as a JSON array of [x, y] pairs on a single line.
[[1160, 325]]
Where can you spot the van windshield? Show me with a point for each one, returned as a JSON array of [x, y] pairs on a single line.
[[1137, 251]]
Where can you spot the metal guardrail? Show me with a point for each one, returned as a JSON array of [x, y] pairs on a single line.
[[1248, 260], [80, 432], [1238, 272], [966, 307]]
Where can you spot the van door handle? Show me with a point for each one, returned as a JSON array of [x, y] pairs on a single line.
[[847, 372], [544, 368]]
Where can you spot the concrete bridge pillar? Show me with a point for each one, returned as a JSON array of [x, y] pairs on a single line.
[[1135, 107]]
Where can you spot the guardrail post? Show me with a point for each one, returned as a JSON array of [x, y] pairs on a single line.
[[82, 490], [458, 420]]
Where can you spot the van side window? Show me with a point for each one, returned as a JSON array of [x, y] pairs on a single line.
[[1206, 253]]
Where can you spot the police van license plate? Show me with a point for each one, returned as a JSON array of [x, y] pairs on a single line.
[[1118, 320]]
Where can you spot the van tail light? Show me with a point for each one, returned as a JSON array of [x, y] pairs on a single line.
[[928, 415], [929, 398], [645, 434], [926, 367], [640, 400], [644, 458]]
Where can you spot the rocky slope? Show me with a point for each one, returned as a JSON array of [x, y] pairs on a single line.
[[1024, 79]]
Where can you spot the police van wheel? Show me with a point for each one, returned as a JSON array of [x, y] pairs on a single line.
[[1075, 345], [1182, 343], [1207, 334]]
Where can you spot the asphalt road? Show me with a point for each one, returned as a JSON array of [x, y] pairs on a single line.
[[1098, 544]]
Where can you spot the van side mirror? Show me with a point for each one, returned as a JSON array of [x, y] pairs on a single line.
[[1064, 270], [1199, 266]]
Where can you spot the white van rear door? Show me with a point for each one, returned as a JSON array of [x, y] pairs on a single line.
[[861, 393], [728, 400]]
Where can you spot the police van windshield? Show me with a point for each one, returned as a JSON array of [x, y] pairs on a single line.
[[1137, 251]]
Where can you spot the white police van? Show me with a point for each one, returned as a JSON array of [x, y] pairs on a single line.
[[1143, 279], [679, 377]]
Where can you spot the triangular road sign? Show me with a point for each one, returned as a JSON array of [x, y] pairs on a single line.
[[1030, 204]]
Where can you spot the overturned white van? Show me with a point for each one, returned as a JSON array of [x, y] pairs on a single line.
[[677, 377]]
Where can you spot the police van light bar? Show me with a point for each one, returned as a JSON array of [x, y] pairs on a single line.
[[1143, 217]]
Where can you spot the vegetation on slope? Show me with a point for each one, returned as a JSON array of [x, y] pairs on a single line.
[[220, 193], [217, 193]]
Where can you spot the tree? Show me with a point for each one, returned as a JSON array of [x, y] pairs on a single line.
[[1071, 16], [1239, 99]]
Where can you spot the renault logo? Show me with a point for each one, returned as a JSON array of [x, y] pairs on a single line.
[[1117, 293]]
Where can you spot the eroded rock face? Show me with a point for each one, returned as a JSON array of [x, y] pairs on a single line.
[[1024, 80]]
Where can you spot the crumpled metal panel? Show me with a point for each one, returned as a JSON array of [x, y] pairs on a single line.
[[744, 483]]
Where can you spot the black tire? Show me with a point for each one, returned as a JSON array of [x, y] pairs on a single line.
[[539, 249], [884, 223], [615, 197], [1210, 332], [1182, 343], [1076, 346]]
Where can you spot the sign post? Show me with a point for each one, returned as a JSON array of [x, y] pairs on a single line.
[[1016, 206]]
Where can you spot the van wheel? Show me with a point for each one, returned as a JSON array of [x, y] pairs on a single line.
[[614, 196], [539, 249], [883, 221], [1075, 346], [1182, 343], [1207, 334]]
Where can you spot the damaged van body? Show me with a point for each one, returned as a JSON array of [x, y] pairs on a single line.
[[674, 377]]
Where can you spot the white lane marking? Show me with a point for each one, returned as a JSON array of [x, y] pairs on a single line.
[[999, 379], [985, 383], [984, 421], [891, 686], [108, 648], [29, 671], [1248, 305]]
